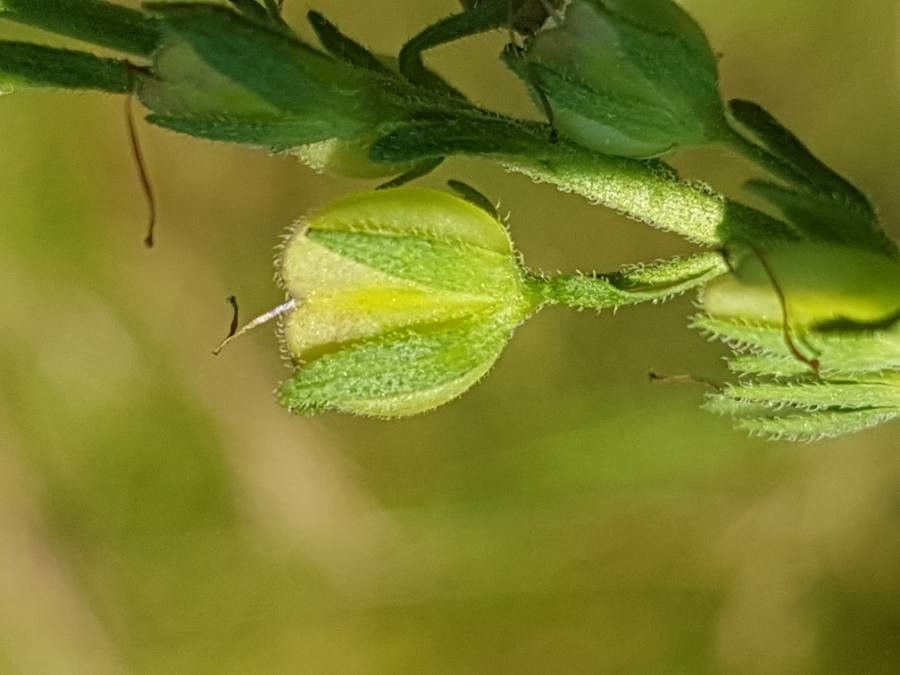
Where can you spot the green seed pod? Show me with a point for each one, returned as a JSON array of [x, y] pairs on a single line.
[[401, 300], [822, 286], [635, 78]]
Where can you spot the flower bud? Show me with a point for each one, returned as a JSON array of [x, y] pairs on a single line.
[[635, 78], [403, 299]]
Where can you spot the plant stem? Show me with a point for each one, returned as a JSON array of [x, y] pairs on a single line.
[[651, 193], [631, 285]]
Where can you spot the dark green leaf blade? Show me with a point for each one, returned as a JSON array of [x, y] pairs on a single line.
[[343, 47], [281, 69], [820, 218], [37, 65], [785, 144], [283, 132], [482, 17], [468, 135], [94, 21]]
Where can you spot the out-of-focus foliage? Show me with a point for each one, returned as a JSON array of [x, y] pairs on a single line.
[[160, 514]]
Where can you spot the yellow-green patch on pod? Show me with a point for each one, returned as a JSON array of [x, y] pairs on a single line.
[[403, 299], [823, 286]]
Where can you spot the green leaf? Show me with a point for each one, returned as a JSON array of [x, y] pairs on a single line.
[[284, 132], [830, 395], [780, 140], [817, 426], [100, 23], [820, 218], [418, 171], [482, 135], [252, 10], [342, 47], [280, 69], [36, 65], [841, 353], [483, 16], [475, 197], [648, 191]]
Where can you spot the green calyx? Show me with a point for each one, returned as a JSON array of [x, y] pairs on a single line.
[[636, 79]]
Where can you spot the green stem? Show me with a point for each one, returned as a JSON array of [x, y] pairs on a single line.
[[651, 193], [631, 285]]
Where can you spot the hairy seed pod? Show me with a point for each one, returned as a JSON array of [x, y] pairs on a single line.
[[403, 299]]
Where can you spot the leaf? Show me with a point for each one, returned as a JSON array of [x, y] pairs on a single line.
[[475, 197], [283, 132], [817, 426], [781, 141], [483, 16], [418, 171], [342, 47], [281, 69], [37, 65], [826, 394], [849, 353], [252, 10], [482, 135], [100, 23], [820, 218]]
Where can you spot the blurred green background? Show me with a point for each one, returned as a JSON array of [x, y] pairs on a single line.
[[160, 514]]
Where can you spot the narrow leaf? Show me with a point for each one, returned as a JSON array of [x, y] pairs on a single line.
[[850, 353], [820, 218], [483, 16], [467, 135], [279, 68], [832, 395], [100, 23], [41, 66], [817, 426], [283, 132], [418, 171], [781, 141], [252, 10], [343, 47]]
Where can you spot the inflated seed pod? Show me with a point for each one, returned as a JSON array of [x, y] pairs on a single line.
[[400, 301]]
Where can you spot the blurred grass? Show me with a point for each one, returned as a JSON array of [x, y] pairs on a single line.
[[158, 512]]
